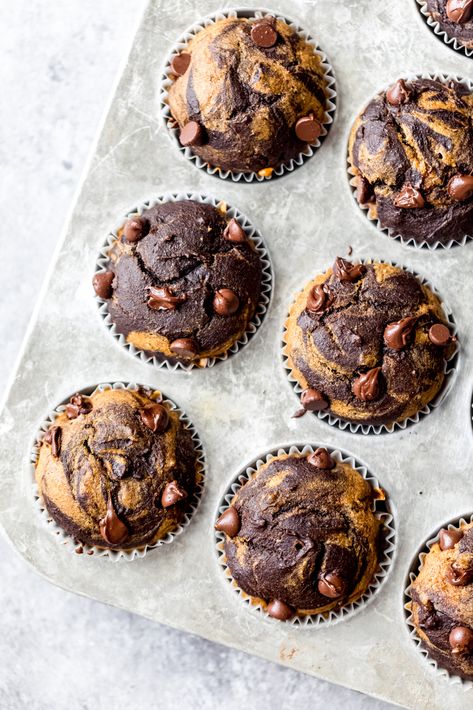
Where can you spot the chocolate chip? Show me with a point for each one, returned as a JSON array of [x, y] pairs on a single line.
[[460, 187], [459, 576], [234, 232], [313, 401], [396, 335], [225, 302], [264, 35], [449, 538], [155, 417], [308, 129], [53, 437], [162, 299], [78, 404], [459, 11], [112, 529], [184, 347], [460, 639], [344, 270], [229, 522], [102, 284], [191, 134], [321, 458], [318, 300], [331, 585], [279, 610], [180, 63], [397, 94], [366, 386], [409, 198], [440, 335], [133, 229], [364, 190], [172, 494]]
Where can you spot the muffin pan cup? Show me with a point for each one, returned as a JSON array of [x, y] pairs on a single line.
[[236, 176], [382, 510], [414, 570], [450, 368], [364, 209], [68, 541], [175, 364], [435, 27]]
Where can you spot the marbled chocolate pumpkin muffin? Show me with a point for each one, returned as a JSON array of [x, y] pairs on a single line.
[[411, 150], [183, 281], [367, 343], [455, 18], [442, 601], [117, 469], [302, 536], [248, 95]]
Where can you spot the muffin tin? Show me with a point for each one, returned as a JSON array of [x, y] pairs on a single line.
[[244, 406]]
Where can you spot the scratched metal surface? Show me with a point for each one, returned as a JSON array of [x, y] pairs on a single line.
[[243, 407]]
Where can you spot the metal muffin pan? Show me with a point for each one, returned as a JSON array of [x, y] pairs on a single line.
[[244, 406]]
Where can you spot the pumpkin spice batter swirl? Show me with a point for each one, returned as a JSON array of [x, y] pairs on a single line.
[[411, 150], [373, 347]]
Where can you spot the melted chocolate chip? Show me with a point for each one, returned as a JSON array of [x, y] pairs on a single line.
[[366, 386], [460, 639], [331, 585], [225, 302], [344, 270], [460, 187], [180, 63], [172, 494], [396, 335], [234, 232], [449, 538], [191, 134], [133, 229], [364, 191], [112, 529], [229, 522], [440, 335], [308, 129], [459, 11], [53, 437], [162, 299], [155, 417], [279, 610], [459, 576], [313, 401], [102, 284], [318, 300], [184, 347], [397, 94], [264, 35], [321, 458], [78, 404], [409, 198]]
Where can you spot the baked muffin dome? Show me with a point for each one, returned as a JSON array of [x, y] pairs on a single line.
[[442, 601], [302, 534], [455, 17], [250, 95], [411, 150], [367, 343], [117, 469], [184, 281]]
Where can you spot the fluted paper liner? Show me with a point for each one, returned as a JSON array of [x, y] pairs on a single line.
[[173, 130], [410, 242], [440, 33], [414, 570], [382, 510], [450, 367], [174, 364], [74, 545]]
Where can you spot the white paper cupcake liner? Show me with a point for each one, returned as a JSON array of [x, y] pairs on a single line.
[[173, 130], [174, 364], [382, 510], [441, 34], [72, 544], [450, 368], [414, 570], [364, 209]]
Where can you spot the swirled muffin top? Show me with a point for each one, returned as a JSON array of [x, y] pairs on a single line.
[[442, 601], [455, 17], [367, 343], [412, 152], [302, 535], [117, 469], [248, 95], [183, 281]]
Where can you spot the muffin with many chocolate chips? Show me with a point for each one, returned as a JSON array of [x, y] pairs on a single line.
[[367, 343], [117, 469], [411, 150], [183, 281], [455, 18], [248, 95], [301, 536], [442, 601]]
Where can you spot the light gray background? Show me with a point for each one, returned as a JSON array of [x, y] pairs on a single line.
[[58, 62]]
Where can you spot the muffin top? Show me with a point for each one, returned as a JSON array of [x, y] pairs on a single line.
[[117, 469], [183, 280], [304, 538], [249, 94], [455, 17], [442, 601], [367, 343], [412, 152]]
